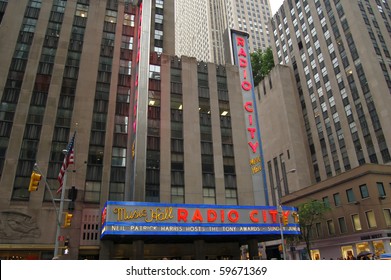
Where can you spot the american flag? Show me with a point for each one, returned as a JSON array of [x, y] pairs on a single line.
[[68, 159]]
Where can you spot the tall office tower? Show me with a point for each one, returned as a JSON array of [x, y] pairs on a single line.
[[201, 25], [71, 66], [251, 17], [192, 30], [339, 52]]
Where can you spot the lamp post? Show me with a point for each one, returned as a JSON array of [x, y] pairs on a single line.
[[279, 210]]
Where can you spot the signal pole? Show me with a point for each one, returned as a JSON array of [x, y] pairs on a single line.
[[57, 242], [280, 214]]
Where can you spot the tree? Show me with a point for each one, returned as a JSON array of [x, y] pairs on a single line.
[[262, 63], [310, 213]]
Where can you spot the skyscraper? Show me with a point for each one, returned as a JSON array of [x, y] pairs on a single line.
[[195, 19], [325, 112], [339, 53]]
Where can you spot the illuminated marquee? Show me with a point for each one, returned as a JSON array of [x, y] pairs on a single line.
[[142, 218], [242, 59]]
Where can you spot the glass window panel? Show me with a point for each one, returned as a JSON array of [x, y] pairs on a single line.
[[356, 222], [337, 199], [387, 216], [331, 227], [350, 195], [364, 191], [370, 215]]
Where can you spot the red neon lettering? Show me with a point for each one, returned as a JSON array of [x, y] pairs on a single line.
[[273, 213], [252, 131], [222, 216], [252, 216], [242, 52], [211, 216], [197, 216], [264, 216], [243, 62], [253, 146], [246, 85], [233, 216], [250, 119], [240, 41], [182, 214], [249, 106], [245, 74]]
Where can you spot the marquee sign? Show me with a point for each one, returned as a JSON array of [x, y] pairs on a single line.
[[143, 218]]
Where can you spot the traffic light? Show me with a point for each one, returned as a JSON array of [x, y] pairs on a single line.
[[67, 219], [34, 181], [285, 220], [72, 193]]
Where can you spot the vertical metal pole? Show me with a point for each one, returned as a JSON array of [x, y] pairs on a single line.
[[281, 230], [64, 183], [279, 210], [280, 213]]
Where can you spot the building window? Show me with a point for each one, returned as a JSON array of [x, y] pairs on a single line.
[[350, 195], [331, 227], [380, 189], [387, 216], [342, 225], [326, 201], [371, 219], [231, 197], [356, 222], [177, 194], [319, 231], [92, 192], [337, 199], [209, 195], [117, 190], [364, 191]]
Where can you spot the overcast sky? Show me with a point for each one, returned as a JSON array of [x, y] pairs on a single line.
[[275, 5]]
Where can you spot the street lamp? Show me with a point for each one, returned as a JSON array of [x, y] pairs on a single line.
[[279, 209]]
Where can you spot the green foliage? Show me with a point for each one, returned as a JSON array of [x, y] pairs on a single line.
[[262, 63], [310, 213]]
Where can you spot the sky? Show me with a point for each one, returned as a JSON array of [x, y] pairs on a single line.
[[275, 5]]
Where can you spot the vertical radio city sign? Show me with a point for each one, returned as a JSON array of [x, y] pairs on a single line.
[[139, 91], [241, 58]]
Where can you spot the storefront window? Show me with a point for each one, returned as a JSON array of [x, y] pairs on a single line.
[[379, 248], [347, 252], [315, 255], [361, 247]]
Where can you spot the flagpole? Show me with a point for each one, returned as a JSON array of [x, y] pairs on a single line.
[[64, 183]]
